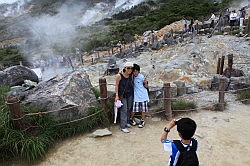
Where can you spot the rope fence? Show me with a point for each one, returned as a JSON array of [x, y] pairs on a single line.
[[221, 85], [17, 101]]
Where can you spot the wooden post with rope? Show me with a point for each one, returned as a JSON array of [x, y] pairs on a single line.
[[230, 64], [16, 114], [104, 99], [167, 101], [218, 66], [222, 86], [222, 64]]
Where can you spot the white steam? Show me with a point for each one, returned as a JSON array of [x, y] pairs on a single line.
[[8, 1], [13, 7], [127, 4], [59, 29], [42, 34]]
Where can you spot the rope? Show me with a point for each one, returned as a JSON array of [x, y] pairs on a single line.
[[76, 120]]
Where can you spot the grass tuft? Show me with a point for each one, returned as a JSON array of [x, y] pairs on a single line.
[[183, 105], [243, 95]]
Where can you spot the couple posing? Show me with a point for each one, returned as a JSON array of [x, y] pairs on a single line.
[[130, 89]]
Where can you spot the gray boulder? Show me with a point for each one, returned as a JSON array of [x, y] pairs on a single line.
[[16, 75], [71, 94], [157, 45], [216, 82], [171, 41], [181, 88], [234, 73]]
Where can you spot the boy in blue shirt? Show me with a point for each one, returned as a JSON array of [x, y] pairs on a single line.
[[186, 128], [141, 98]]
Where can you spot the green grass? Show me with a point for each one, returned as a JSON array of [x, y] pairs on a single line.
[[183, 105], [3, 91], [243, 95], [41, 133]]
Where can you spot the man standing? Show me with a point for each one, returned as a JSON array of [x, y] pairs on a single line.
[[212, 20], [233, 17], [141, 98]]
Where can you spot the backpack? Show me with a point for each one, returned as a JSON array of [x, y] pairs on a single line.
[[187, 158]]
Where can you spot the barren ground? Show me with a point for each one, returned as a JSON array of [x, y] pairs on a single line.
[[223, 140]]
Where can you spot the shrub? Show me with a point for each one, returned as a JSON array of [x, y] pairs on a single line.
[[183, 105], [243, 95]]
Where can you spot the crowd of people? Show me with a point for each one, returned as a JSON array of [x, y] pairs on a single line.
[[227, 18]]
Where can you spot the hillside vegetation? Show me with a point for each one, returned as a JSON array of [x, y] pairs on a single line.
[[150, 15]]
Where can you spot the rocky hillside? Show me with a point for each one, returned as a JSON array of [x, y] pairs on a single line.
[[193, 61]]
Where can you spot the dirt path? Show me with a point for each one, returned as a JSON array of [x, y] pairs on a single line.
[[223, 140]]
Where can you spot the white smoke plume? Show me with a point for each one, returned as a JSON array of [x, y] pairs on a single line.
[[61, 30], [42, 34], [13, 7]]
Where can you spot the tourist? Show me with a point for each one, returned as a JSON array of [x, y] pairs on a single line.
[[242, 16], [185, 23], [145, 41], [141, 98], [226, 17], [212, 19], [233, 16], [124, 92], [186, 128], [191, 26]]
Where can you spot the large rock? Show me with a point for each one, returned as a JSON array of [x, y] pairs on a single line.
[[216, 82], [234, 73], [71, 94], [157, 45], [181, 89], [16, 75]]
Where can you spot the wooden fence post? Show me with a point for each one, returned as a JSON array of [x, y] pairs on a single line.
[[167, 101], [218, 66], [104, 99], [15, 112], [222, 64], [222, 94], [230, 64]]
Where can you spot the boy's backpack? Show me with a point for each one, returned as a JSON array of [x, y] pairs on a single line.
[[187, 158]]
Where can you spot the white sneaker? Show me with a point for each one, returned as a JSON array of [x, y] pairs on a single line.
[[125, 130], [128, 125]]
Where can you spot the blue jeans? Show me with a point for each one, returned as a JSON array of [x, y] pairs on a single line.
[[125, 111]]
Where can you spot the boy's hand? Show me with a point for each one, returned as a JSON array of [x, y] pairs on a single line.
[[163, 136], [171, 124]]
